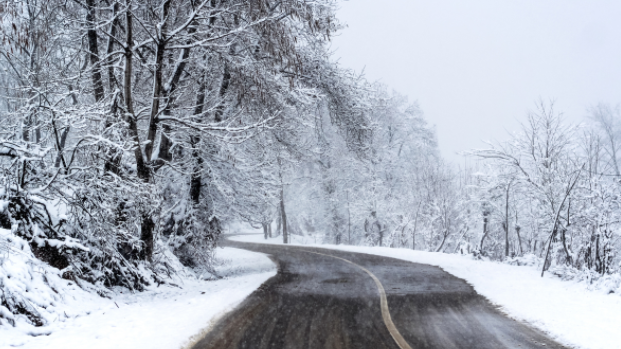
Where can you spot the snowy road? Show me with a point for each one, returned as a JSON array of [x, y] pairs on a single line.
[[333, 299]]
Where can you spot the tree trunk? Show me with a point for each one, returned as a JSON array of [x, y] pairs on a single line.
[[224, 87], [110, 48], [164, 153], [568, 258], [93, 49], [146, 235], [404, 240], [545, 260], [348, 221], [157, 83], [147, 225], [283, 215], [415, 227], [598, 260], [63, 138], [517, 232], [264, 230], [506, 223], [196, 179], [589, 254], [485, 219], [60, 145], [143, 171], [113, 160], [446, 234]]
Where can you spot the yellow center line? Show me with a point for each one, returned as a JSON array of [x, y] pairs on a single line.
[[383, 304]]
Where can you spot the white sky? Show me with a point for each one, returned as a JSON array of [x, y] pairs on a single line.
[[477, 66]]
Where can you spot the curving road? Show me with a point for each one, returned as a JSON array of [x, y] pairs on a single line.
[[333, 299]]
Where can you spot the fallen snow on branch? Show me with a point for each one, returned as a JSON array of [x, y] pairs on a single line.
[[164, 317], [573, 313]]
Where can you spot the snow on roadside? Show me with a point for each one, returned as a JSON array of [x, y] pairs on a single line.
[[567, 311], [165, 317]]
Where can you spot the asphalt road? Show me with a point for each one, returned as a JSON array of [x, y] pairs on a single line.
[[332, 299]]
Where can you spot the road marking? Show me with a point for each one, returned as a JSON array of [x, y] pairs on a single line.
[[383, 304]]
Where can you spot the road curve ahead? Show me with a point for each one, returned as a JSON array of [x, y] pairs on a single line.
[[327, 299]]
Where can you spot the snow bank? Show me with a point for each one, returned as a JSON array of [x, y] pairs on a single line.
[[566, 310], [161, 317]]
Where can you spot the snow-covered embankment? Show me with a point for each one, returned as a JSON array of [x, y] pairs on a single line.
[[165, 317]]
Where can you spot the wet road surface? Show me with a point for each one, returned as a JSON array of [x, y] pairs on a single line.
[[329, 299]]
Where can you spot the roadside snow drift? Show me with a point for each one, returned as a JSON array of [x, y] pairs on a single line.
[[567, 311], [165, 317]]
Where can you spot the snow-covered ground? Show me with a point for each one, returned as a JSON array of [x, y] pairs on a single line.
[[567, 311], [165, 317]]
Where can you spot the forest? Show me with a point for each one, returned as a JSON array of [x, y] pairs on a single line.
[[133, 133]]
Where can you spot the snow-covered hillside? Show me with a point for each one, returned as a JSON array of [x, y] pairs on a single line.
[[166, 317], [574, 313]]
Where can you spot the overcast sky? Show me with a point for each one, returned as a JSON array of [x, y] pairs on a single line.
[[477, 66]]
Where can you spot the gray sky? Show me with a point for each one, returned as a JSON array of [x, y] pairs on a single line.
[[477, 66]]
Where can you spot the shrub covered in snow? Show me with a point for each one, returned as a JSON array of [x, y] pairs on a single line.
[[29, 287]]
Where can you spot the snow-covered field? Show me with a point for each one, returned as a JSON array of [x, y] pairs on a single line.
[[165, 317], [567, 311]]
